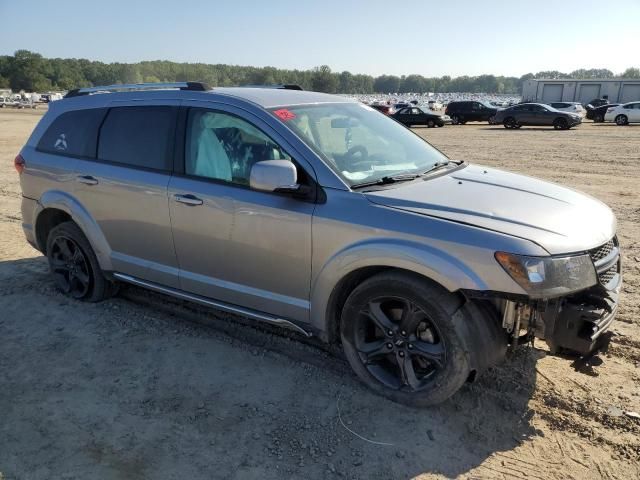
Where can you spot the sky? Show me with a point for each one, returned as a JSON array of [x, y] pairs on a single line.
[[431, 38]]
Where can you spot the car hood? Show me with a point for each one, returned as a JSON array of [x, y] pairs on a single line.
[[558, 219]]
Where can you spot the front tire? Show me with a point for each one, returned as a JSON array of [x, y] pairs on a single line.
[[598, 118], [622, 120], [510, 123], [74, 265], [403, 336], [560, 124]]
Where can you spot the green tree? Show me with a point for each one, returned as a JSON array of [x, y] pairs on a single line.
[[323, 80], [387, 84], [631, 73]]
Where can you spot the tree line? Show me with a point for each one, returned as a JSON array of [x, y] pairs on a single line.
[[31, 72]]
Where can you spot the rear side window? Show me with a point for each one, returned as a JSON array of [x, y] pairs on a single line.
[[138, 136], [73, 133]]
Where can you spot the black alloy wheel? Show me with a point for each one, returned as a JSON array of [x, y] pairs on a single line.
[[399, 344], [70, 267], [74, 264], [431, 123], [409, 339]]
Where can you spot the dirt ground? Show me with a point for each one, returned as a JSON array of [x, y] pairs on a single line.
[[142, 386]]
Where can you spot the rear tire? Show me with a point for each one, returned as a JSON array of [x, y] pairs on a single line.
[[431, 123], [455, 120], [74, 265], [622, 120], [407, 338], [598, 118]]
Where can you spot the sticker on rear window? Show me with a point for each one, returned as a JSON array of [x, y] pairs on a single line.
[[284, 114], [61, 142]]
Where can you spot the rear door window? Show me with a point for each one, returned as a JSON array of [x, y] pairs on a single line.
[[140, 137], [73, 133]]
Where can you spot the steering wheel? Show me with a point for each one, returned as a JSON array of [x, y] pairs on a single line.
[[358, 149]]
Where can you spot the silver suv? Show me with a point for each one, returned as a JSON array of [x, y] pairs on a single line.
[[320, 214]]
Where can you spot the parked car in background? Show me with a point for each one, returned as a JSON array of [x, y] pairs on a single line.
[[623, 114], [537, 114], [401, 105], [597, 102], [434, 105], [470, 111], [597, 113], [412, 116], [572, 107], [386, 109]]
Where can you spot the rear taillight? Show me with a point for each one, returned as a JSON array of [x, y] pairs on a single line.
[[610, 109], [18, 162]]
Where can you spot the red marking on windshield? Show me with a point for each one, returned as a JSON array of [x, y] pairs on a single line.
[[285, 114]]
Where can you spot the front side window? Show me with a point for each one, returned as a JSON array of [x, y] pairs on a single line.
[[224, 147], [359, 144], [138, 136]]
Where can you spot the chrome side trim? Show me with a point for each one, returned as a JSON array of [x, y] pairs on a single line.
[[226, 307]]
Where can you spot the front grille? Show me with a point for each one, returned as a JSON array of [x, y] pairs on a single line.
[[602, 251], [606, 276]]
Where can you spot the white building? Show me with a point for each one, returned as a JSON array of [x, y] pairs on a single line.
[[619, 90]]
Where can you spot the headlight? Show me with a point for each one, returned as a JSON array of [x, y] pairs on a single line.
[[549, 276]]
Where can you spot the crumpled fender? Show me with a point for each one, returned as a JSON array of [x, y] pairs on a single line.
[[425, 260], [67, 203]]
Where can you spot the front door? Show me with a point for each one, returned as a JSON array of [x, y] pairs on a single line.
[[235, 244]]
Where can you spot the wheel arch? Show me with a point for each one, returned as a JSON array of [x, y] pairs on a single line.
[[55, 207], [347, 269]]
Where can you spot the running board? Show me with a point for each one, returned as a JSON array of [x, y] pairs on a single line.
[[226, 307]]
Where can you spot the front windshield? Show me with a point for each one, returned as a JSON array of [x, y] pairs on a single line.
[[360, 144]]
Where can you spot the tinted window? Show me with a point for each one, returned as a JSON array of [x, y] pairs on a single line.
[[225, 147], [138, 136], [73, 133]]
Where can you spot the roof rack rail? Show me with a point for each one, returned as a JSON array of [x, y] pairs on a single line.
[[194, 86], [282, 86]]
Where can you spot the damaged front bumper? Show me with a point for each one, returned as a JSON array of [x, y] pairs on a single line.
[[576, 322]]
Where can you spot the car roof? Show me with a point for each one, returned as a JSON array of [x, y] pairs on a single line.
[[276, 97], [265, 97]]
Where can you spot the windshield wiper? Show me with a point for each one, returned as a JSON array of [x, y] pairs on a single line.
[[405, 177], [434, 167]]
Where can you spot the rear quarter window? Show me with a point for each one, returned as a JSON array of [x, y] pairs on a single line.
[[73, 133], [138, 136]]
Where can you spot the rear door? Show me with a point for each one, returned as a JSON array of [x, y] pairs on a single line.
[[125, 189]]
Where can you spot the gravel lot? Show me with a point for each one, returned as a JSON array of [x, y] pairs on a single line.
[[142, 386]]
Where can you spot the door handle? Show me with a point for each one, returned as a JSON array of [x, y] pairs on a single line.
[[187, 199], [87, 179]]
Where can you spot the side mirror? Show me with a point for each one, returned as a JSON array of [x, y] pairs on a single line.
[[274, 176]]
